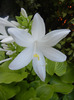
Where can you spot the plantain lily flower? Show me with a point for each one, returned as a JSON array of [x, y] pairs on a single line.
[[37, 46]]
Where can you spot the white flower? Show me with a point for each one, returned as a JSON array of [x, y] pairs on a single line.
[[37, 46], [4, 37]]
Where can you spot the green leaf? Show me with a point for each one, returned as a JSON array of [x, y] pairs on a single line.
[[72, 21], [58, 46], [23, 85], [35, 84], [2, 55], [55, 97], [8, 76], [2, 97], [45, 92], [64, 14], [68, 77], [26, 94], [58, 68], [50, 66], [8, 91], [61, 87], [34, 99], [69, 96], [62, 0]]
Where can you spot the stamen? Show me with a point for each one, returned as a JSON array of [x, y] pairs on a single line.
[[36, 55]]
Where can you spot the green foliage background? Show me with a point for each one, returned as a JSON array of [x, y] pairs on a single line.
[[24, 84]]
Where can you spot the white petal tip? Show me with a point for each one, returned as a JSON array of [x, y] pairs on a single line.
[[22, 9], [5, 60], [23, 12], [62, 58], [12, 67], [9, 39], [10, 30], [43, 79], [37, 14], [68, 31]]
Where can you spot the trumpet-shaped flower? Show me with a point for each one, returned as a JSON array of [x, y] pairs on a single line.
[[37, 46]]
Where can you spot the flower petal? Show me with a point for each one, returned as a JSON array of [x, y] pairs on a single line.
[[39, 65], [3, 49], [22, 60], [15, 23], [8, 39], [5, 22], [38, 27], [6, 18], [9, 52], [53, 54], [23, 12], [2, 30], [5, 60], [53, 37], [21, 37], [2, 37]]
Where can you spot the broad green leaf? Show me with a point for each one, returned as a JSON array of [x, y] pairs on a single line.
[[8, 91], [8, 76], [35, 84], [58, 68], [55, 97], [35, 98], [48, 78], [69, 96], [50, 66], [61, 87], [24, 85], [26, 94], [68, 77], [2, 96], [45, 92]]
